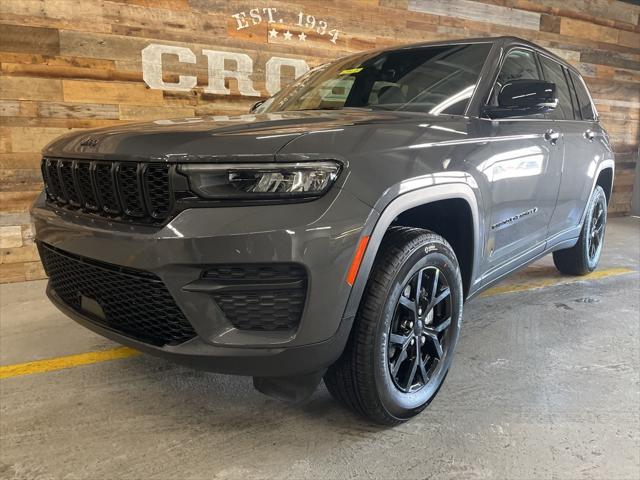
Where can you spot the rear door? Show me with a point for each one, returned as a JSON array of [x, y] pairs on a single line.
[[575, 120], [523, 169]]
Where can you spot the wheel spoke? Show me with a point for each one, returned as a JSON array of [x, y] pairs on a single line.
[[414, 369], [441, 327], [444, 294], [423, 372], [439, 351], [408, 303], [398, 339], [436, 344], [419, 289], [434, 286], [401, 358]]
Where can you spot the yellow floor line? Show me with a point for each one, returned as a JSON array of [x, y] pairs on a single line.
[[71, 361], [549, 282]]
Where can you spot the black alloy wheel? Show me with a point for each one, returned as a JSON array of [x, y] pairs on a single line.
[[596, 230], [405, 333], [584, 256], [418, 332]]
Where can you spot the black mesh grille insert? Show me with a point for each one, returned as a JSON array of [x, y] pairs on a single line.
[[157, 184], [83, 173], [68, 184], [118, 190], [106, 188], [134, 303], [52, 179], [130, 190], [268, 297]]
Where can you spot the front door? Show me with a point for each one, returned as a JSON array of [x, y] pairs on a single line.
[[523, 167], [524, 173]]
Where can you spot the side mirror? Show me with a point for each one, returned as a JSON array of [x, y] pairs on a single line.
[[255, 106], [523, 97]]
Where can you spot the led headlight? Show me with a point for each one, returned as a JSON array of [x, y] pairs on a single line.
[[261, 180]]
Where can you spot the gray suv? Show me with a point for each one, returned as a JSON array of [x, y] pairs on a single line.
[[337, 229]]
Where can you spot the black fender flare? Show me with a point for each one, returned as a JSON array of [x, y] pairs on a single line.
[[376, 227]]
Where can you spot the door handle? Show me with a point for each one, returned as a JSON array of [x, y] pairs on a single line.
[[551, 136], [590, 135]]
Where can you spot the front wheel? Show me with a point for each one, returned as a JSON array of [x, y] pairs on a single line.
[[405, 331], [583, 258]]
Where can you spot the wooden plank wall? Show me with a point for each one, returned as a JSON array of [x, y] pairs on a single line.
[[74, 64]]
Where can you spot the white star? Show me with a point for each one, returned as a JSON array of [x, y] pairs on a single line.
[[302, 37], [287, 35], [273, 33]]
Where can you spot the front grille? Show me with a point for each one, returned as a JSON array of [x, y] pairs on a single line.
[[132, 302], [127, 191], [267, 297]]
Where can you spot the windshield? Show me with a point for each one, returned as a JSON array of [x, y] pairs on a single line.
[[435, 79]]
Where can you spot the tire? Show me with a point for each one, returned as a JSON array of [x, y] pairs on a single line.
[[371, 376], [583, 258]]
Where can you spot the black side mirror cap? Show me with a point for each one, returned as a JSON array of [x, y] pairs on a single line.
[[523, 97]]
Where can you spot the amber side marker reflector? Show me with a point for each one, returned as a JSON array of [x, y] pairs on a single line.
[[357, 259]]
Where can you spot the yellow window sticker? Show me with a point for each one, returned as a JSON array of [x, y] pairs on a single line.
[[351, 71]]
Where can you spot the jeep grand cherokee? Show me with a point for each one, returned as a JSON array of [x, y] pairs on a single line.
[[337, 230]]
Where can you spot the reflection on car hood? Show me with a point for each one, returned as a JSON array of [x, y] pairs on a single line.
[[213, 138]]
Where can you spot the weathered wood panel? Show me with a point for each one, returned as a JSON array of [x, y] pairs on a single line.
[[470, 10], [72, 64]]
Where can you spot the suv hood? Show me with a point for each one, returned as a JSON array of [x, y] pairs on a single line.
[[214, 138]]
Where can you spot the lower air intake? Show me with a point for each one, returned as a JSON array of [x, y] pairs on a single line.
[[132, 302], [263, 297]]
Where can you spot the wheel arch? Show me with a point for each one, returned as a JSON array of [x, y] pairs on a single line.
[[605, 180], [413, 201], [603, 175]]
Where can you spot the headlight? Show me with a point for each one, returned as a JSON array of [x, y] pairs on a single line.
[[261, 180]]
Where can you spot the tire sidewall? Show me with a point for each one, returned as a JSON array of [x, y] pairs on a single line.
[[597, 197], [400, 404]]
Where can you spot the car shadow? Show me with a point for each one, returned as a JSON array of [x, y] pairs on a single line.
[[231, 401]]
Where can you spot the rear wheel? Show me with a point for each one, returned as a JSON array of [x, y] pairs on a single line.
[[583, 258], [406, 329]]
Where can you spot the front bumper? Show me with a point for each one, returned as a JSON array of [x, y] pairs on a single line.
[[320, 235]]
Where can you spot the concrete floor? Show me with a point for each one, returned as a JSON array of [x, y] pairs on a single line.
[[545, 385]]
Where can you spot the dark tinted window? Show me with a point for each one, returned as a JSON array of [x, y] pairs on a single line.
[[586, 108], [518, 65], [574, 98], [553, 72], [438, 79]]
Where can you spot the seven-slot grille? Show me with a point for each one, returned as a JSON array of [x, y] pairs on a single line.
[[133, 302], [133, 191]]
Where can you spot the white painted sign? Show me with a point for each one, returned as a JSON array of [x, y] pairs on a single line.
[[302, 20], [152, 56]]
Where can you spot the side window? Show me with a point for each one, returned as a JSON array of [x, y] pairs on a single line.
[[586, 109], [518, 65], [553, 72], [574, 98]]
